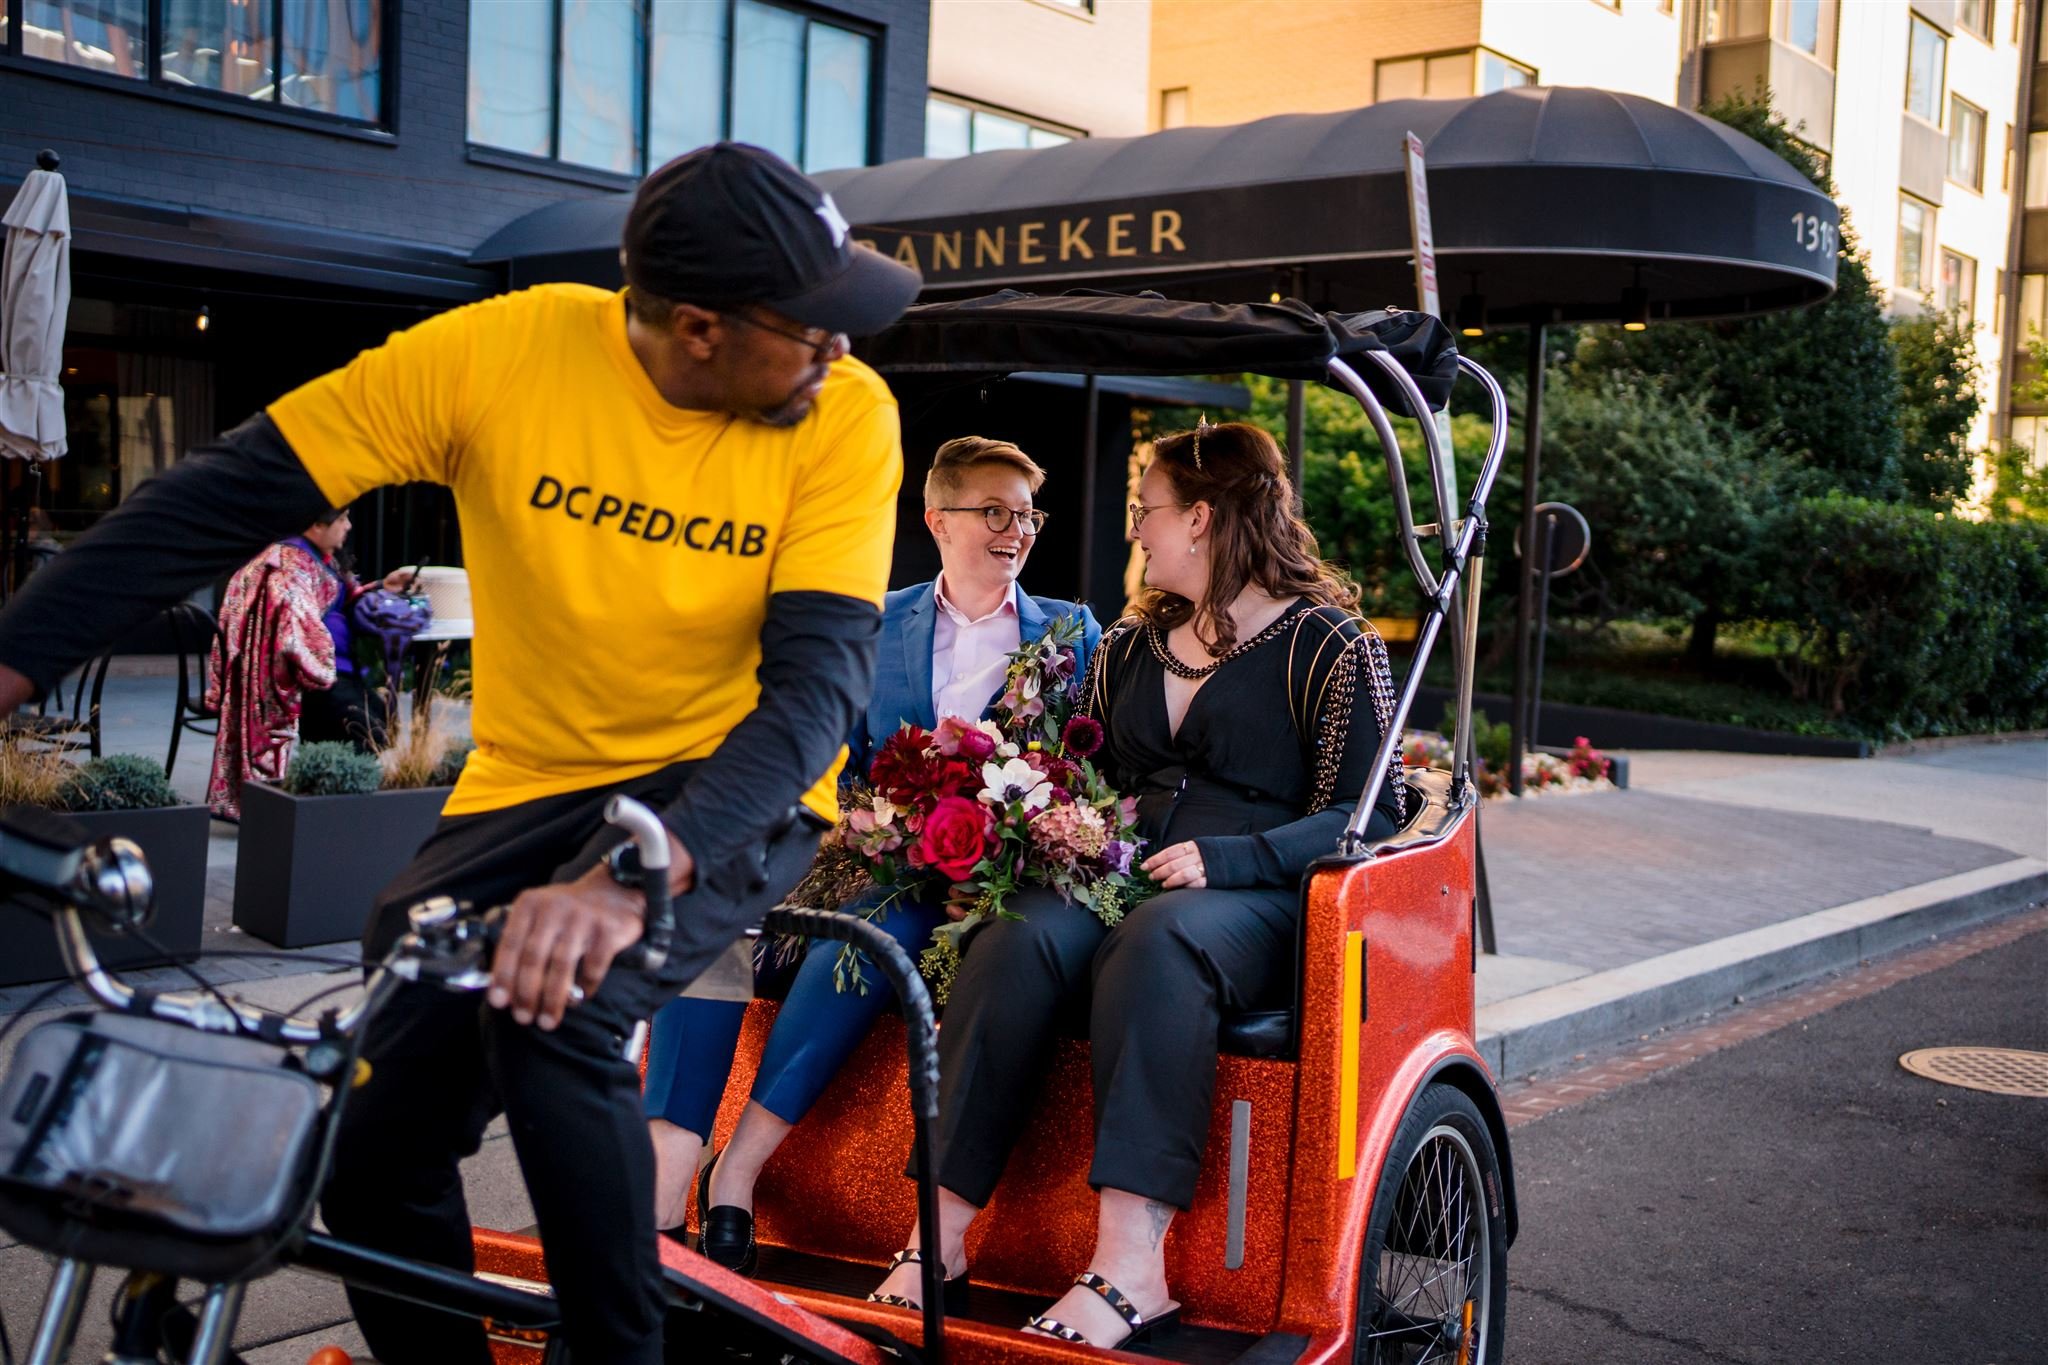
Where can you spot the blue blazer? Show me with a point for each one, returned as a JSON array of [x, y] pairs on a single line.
[[903, 666]]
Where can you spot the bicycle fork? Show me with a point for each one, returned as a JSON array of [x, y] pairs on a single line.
[[148, 1305]]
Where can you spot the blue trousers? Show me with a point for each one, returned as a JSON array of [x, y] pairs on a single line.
[[690, 1055]]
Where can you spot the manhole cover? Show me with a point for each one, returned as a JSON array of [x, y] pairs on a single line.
[[2001, 1070]]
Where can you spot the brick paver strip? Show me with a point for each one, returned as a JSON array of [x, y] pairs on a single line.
[[1611, 878], [1527, 1101]]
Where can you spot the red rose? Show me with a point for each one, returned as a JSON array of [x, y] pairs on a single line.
[[955, 838]]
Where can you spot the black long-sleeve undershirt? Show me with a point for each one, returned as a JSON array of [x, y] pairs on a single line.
[[202, 518]]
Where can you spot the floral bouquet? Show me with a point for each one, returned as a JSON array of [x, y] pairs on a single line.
[[976, 811]]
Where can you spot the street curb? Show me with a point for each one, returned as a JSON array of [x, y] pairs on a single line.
[[1528, 1032]]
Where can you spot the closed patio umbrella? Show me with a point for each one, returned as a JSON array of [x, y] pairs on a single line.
[[35, 296]]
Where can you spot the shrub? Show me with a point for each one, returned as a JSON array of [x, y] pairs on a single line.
[[119, 782], [32, 775], [1915, 622], [452, 763], [331, 768]]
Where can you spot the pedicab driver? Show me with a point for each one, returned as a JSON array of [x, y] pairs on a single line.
[[677, 505]]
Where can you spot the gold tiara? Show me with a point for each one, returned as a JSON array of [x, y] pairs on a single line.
[[1201, 425]]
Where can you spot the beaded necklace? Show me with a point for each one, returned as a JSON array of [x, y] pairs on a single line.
[[1172, 664]]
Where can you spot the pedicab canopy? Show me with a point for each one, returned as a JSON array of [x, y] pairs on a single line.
[[1012, 332]]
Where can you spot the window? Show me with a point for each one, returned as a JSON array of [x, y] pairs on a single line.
[[1998, 301], [317, 56], [1925, 60], [1498, 73], [1958, 289], [1728, 20], [1916, 234], [1974, 18], [1449, 75], [953, 127], [2037, 171], [1173, 108], [1965, 143], [2033, 318], [1802, 25], [2005, 162], [624, 87], [2031, 435]]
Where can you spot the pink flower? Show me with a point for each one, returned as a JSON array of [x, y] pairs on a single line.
[[964, 739]]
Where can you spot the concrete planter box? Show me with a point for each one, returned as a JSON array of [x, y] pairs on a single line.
[[173, 839], [308, 867]]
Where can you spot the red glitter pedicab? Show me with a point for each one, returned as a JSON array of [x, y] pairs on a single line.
[[1357, 1201]]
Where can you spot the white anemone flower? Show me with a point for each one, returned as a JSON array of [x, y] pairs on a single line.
[[1015, 780]]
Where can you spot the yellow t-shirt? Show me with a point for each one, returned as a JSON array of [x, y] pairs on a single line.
[[621, 550]]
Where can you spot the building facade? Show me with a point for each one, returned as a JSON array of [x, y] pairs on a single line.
[[260, 188], [1922, 108], [1033, 73]]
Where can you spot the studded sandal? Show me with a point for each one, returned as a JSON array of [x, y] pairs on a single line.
[[1143, 1329], [952, 1293]]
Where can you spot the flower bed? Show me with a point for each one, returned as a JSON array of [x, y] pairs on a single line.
[[1584, 769]]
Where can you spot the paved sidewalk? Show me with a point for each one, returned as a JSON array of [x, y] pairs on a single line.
[[1618, 913]]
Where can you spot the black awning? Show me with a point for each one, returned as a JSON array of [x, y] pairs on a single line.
[[1116, 334], [1548, 202]]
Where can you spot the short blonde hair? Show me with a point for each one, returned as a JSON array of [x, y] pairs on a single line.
[[963, 453]]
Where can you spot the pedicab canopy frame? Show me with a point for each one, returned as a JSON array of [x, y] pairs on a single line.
[[1392, 362]]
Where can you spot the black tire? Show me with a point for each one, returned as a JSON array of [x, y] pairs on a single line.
[[1438, 1237]]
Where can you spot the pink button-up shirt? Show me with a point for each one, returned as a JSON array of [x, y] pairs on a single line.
[[969, 656]]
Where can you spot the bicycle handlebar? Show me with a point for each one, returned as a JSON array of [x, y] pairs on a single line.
[[109, 882]]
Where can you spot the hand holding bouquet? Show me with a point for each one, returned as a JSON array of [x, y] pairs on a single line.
[[975, 810]]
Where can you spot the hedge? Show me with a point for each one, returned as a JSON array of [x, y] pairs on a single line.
[[1910, 621]]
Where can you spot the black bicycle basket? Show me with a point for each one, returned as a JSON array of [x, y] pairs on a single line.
[[142, 1143]]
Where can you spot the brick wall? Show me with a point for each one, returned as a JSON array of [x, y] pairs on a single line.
[[420, 187]]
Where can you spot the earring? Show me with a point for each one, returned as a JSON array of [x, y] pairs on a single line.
[[1192, 544]]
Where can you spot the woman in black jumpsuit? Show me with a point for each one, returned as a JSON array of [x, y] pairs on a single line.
[[1243, 706]]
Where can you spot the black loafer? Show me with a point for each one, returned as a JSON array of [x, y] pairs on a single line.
[[725, 1233]]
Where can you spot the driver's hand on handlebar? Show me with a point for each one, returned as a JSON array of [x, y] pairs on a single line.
[[566, 935]]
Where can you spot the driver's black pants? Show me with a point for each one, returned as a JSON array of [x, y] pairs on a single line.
[[443, 1065]]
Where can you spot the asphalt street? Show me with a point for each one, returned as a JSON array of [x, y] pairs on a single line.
[[1801, 1197]]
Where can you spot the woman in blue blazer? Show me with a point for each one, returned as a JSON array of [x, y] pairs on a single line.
[[945, 646]]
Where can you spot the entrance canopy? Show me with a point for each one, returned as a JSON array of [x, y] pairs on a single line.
[[1547, 202]]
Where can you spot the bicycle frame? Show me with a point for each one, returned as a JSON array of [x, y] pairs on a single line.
[[145, 1322]]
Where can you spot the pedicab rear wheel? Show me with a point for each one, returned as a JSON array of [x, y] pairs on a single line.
[[1432, 1282]]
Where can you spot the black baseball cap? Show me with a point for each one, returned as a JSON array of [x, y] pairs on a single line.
[[732, 224]]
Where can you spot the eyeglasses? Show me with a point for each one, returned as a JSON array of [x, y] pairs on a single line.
[[833, 347], [1001, 519], [1139, 511]]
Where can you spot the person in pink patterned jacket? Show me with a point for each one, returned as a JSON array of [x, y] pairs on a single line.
[[272, 647]]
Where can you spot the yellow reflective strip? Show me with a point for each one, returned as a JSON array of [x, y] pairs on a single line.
[[1347, 1082]]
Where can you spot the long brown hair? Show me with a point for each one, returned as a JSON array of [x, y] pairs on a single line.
[[1255, 538]]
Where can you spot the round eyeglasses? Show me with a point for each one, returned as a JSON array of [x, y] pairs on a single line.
[[1139, 511], [1000, 518], [832, 346]]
